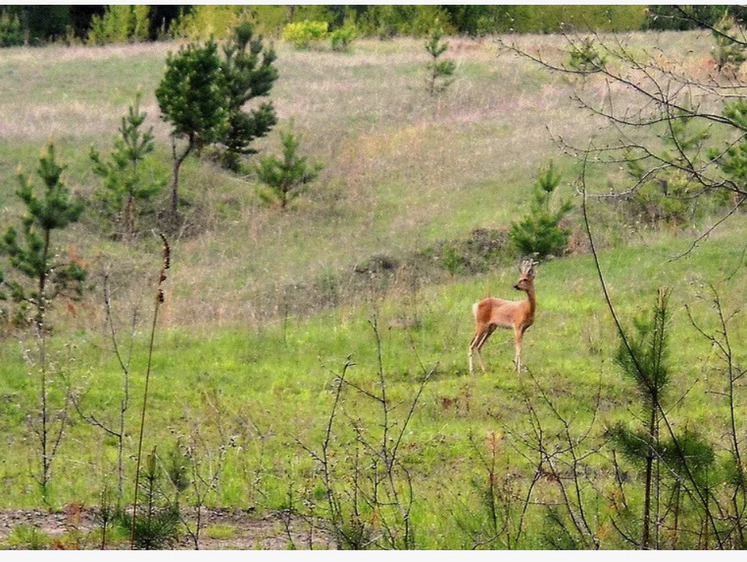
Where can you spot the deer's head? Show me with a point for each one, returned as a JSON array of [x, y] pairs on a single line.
[[526, 275]]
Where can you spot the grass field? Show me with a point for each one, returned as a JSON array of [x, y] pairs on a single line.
[[263, 308]]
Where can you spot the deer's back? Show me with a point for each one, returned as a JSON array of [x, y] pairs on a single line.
[[500, 312]]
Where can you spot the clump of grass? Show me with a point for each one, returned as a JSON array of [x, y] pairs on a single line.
[[27, 537], [221, 531]]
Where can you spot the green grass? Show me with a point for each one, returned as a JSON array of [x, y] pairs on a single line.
[[272, 392], [402, 172], [26, 537], [220, 532]]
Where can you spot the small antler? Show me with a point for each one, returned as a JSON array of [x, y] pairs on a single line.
[[527, 266]]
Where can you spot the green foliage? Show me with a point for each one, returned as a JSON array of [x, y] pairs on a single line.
[[126, 189], [285, 178], [644, 360], [191, 94], [477, 20], [482, 251], [120, 24], [157, 521], [37, 24], [728, 54], [557, 18], [644, 357], [637, 445], [341, 39], [440, 72], [585, 57], [302, 34], [666, 195], [11, 33], [386, 21], [192, 98], [681, 18], [204, 98], [203, 22], [246, 76], [540, 232], [733, 160], [27, 537], [39, 275], [176, 466]]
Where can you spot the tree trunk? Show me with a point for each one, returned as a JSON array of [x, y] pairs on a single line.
[[41, 307], [173, 218], [645, 532]]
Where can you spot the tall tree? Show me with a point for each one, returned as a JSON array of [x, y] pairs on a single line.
[[192, 98], [248, 73]]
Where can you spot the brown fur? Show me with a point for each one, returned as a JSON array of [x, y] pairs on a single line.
[[492, 313]]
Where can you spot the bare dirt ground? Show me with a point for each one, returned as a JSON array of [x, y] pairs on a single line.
[[235, 529]]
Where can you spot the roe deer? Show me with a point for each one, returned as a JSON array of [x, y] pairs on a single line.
[[491, 313]]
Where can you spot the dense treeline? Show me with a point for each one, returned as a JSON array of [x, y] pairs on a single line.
[[97, 24]]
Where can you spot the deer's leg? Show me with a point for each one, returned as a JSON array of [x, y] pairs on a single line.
[[487, 331], [518, 333], [469, 352], [472, 345]]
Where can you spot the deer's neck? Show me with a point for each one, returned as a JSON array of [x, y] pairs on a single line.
[[532, 300]]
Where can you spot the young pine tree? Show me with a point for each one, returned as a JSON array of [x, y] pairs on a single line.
[[246, 76], [38, 276], [540, 232], [643, 359], [192, 98], [126, 189], [729, 52], [285, 178], [440, 72]]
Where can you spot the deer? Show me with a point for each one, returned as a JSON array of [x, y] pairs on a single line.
[[491, 313]]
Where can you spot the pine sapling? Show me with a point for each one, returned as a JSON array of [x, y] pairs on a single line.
[[440, 72], [125, 186], [36, 279], [540, 231], [285, 178]]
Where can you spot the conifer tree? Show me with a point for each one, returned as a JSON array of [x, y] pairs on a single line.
[[540, 232], [37, 277], [192, 98], [285, 178], [729, 52], [248, 73], [643, 359], [125, 188], [439, 71]]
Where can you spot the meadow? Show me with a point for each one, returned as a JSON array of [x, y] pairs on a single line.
[[264, 308]]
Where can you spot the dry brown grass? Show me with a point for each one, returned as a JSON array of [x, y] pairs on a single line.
[[402, 170]]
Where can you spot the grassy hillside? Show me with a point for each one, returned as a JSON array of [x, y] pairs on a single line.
[[263, 308]]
